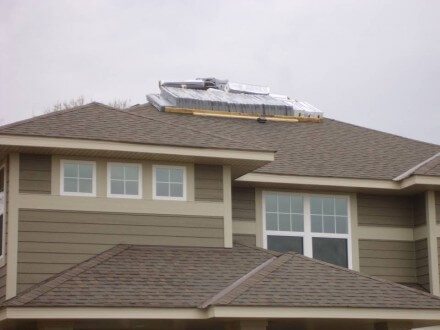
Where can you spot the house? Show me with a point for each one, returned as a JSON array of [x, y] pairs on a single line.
[[216, 206]]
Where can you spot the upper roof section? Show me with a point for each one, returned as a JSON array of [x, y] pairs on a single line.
[[224, 97], [329, 148]]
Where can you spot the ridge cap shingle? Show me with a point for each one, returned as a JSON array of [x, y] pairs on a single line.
[[52, 282]]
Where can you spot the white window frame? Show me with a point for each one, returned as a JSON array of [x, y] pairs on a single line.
[[308, 235], [109, 190], [3, 212], [67, 193], [183, 198]]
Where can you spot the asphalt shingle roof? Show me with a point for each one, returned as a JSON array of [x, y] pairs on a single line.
[[159, 276], [97, 121], [328, 149]]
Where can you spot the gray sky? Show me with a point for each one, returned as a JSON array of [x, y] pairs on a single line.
[[371, 63]]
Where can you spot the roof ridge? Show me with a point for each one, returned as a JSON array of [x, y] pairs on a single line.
[[48, 114], [383, 132], [52, 282], [364, 275], [412, 170], [244, 283]]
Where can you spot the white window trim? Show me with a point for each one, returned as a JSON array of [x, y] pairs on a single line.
[[183, 198], [62, 192], [307, 235], [109, 193], [3, 211]]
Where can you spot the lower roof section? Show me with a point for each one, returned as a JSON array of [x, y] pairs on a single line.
[[218, 282]]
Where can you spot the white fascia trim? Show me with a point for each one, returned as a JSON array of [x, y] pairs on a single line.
[[339, 182], [233, 312], [64, 143], [324, 313], [318, 181], [406, 174]]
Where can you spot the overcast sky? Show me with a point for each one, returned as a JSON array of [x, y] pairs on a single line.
[[371, 63]]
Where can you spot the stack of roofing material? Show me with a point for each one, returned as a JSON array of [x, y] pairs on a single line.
[[220, 95]]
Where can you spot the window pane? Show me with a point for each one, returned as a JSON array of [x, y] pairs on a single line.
[[271, 203], [329, 224], [117, 172], [70, 185], [328, 205], [85, 171], [296, 203], [162, 189], [131, 188], [297, 222], [285, 243], [316, 223], [176, 175], [283, 203], [176, 190], [85, 185], [132, 172], [341, 225], [271, 221], [341, 206], [316, 205], [162, 175], [117, 187], [284, 221], [70, 170], [332, 250]]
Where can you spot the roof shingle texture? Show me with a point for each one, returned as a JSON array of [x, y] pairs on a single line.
[[327, 149], [158, 276], [96, 121]]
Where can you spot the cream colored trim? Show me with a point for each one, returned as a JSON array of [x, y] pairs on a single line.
[[190, 182], [354, 231], [227, 204], [12, 245], [324, 313], [119, 205], [3, 211], [259, 217], [386, 233], [47, 142], [339, 182], [318, 181], [434, 277], [411, 170], [56, 313], [244, 227]]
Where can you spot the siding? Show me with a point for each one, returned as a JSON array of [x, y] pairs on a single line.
[[249, 240], [243, 204], [52, 241], [419, 210], [208, 183], [382, 210], [391, 260], [35, 173], [422, 266]]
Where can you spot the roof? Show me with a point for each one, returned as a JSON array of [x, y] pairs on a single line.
[[328, 149], [96, 121], [164, 276]]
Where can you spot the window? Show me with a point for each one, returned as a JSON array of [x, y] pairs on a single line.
[[78, 178], [2, 211], [314, 225], [124, 180], [169, 182]]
